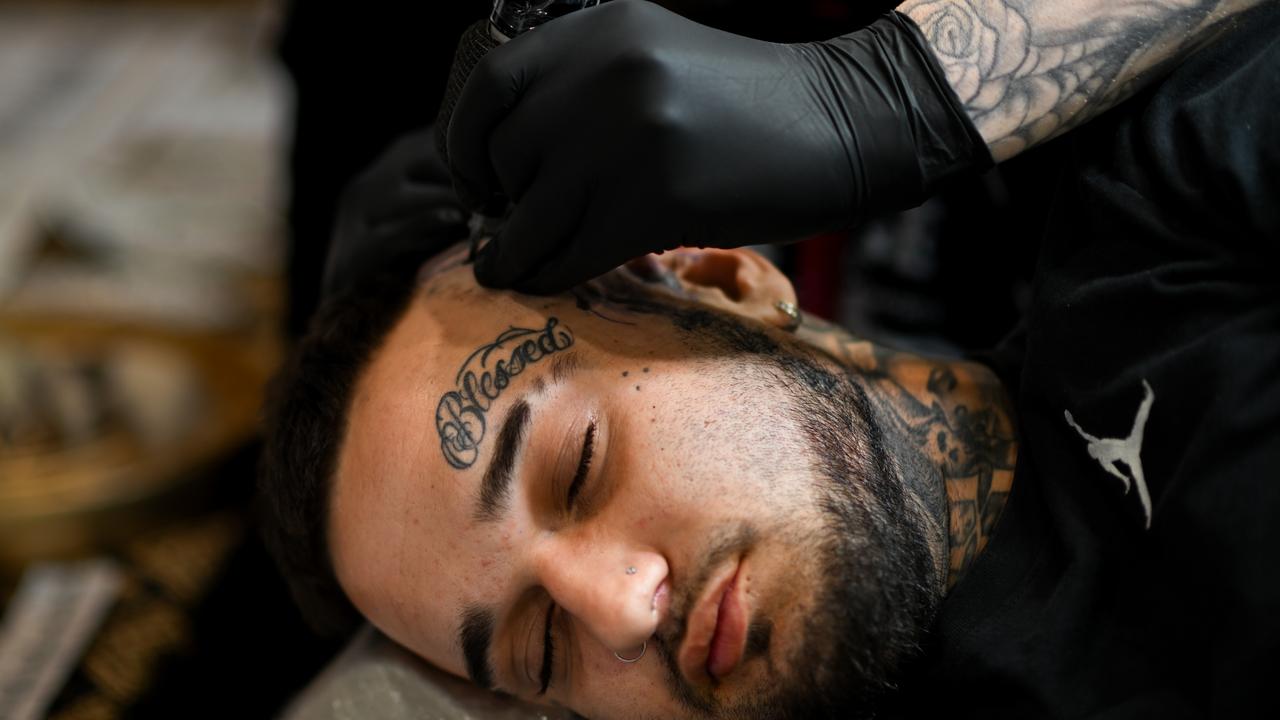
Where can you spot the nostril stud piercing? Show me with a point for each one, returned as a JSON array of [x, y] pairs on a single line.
[[631, 570]]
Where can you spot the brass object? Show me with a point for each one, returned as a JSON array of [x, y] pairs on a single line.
[[64, 499]]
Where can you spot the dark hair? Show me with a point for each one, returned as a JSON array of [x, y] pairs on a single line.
[[306, 417]]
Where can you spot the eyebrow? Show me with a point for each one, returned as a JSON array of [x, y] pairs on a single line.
[[564, 366], [495, 485], [475, 636]]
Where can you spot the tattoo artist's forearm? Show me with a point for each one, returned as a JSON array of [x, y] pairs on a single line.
[[1028, 70]]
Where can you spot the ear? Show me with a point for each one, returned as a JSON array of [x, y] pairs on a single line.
[[740, 281]]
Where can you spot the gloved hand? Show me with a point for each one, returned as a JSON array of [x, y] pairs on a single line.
[[625, 129], [403, 203]]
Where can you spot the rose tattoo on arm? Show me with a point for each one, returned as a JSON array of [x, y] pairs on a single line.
[[1029, 70]]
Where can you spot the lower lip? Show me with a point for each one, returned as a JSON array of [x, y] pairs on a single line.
[[729, 641]]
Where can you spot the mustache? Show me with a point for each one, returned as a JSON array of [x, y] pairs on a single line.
[[735, 540]]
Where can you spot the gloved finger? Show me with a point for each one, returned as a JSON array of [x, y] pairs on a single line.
[[411, 159], [495, 86], [426, 233], [565, 271], [428, 169], [599, 244], [362, 256], [441, 217], [361, 213], [517, 146], [410, 202], [544, 219]]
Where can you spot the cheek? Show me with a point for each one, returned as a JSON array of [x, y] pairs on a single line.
[[687, 454]]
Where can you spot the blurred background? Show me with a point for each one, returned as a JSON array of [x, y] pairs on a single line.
[[169, 172], [143, 236]]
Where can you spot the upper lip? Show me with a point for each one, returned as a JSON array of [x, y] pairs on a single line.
[[701, 624]]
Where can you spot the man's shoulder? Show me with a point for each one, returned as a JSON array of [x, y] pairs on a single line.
[[1197, 155]]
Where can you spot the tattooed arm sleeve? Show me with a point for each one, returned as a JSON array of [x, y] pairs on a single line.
[[1029, 70]]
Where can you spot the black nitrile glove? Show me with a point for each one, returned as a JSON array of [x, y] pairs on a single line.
[[403, 204], [626, 129]]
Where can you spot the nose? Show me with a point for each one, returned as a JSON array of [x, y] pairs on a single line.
[[591, 577]]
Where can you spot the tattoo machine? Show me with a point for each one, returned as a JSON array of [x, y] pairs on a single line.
[[508, 19]]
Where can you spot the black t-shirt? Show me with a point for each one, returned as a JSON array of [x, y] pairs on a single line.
[[1150, 360]]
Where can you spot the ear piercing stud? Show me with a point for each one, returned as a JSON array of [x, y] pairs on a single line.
[[792, 312]]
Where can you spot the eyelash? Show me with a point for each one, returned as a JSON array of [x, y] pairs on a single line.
[[548, 651], [584, 465], [575, 487]]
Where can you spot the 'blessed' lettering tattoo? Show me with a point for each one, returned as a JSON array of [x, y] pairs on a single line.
[[460, 416]]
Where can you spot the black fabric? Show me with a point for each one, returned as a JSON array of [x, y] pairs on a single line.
[[1159, 265]]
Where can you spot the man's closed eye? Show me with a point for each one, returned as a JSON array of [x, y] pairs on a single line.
[[571, 495]]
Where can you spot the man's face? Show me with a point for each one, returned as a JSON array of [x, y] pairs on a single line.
[[532, 488]]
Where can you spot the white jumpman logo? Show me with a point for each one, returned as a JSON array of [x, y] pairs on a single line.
[[1109, 451]]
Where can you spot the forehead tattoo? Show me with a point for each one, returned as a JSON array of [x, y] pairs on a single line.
[[481, 380]]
